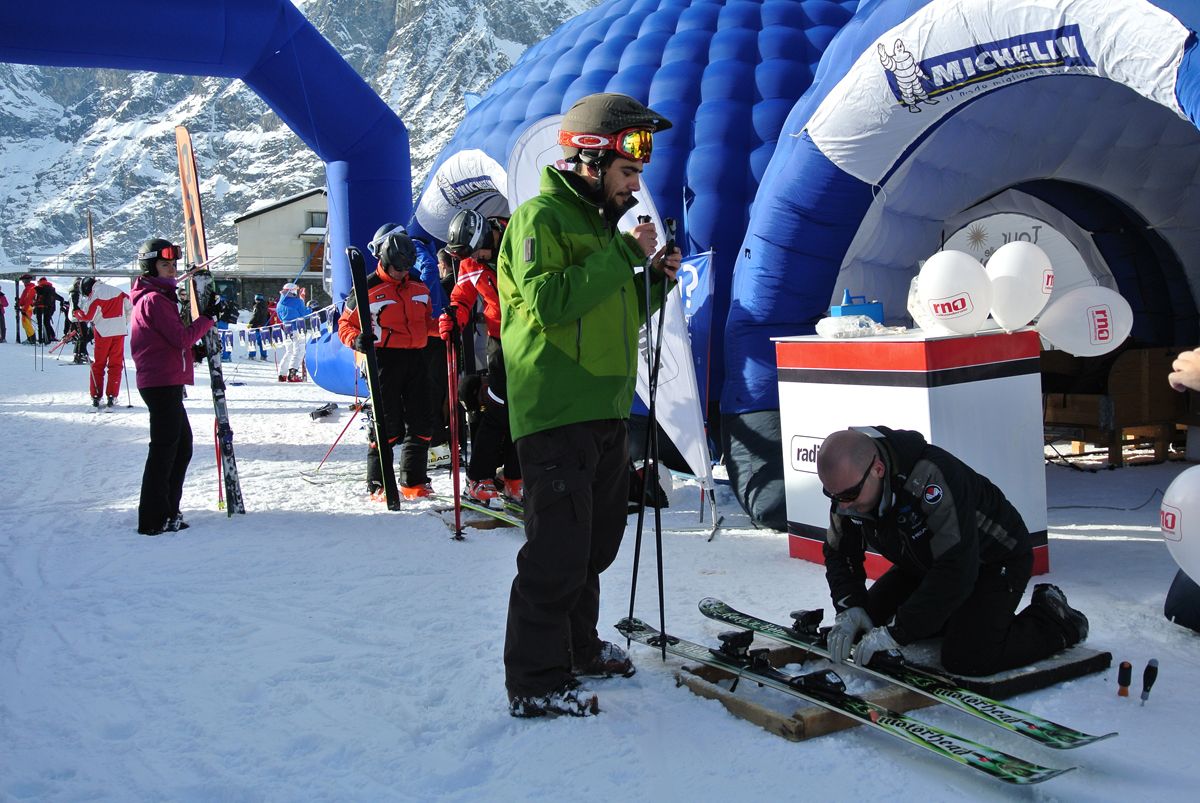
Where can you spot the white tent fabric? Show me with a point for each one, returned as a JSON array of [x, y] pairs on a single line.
[[467, 180], [1076, 260], [875, 115]]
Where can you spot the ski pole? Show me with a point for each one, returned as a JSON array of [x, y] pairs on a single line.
[[128, 396], [452, 403], [337, 440], [653, 429], [649, 447]]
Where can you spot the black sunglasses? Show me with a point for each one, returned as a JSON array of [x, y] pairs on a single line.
[[851, 493]]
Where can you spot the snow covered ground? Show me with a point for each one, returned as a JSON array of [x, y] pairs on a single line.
[[322, 648]]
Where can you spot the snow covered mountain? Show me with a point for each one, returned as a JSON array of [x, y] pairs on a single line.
[[78, 139]]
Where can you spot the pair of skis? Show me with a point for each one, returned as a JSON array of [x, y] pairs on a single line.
[[201, 291], [826, 689]]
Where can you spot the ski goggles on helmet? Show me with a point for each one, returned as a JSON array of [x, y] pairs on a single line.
[[171, 252], [632, 143]]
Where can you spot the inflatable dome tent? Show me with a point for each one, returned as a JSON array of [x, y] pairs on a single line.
[[726, 72], [920, 115]]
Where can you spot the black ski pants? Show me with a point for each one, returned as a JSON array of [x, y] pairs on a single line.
[[491, 443], [45, 322], [576, 488], [984, 635], [168, 457], [406, 417]]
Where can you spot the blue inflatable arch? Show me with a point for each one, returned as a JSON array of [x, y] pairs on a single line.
[[271, 47], [924, 109]]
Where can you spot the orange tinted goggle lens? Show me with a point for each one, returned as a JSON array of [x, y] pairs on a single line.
[[170, 252], [635, 144]]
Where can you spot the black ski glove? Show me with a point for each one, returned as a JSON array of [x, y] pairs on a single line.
[[214, 309], [362, 341]]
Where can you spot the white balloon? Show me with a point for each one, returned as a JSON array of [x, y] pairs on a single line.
[[1088, 321], [1179, 517], [1022, 280], [954, 289]]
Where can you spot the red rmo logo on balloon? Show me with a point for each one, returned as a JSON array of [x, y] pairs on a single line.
[[1047, 282], [951, 306], [1169, 520], [1100, 320]]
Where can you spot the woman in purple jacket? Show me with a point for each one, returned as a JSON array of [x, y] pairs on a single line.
[[161, 347]]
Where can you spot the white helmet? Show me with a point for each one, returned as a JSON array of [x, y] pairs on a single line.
[[291, 288]]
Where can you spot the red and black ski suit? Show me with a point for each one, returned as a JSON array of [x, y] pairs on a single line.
[[403, 325], [491, 440]]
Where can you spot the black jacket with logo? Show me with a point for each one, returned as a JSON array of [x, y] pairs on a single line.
[[938, 519]]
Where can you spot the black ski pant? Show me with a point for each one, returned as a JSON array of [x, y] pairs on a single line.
[[491, 442], [984, 635], [576, 485], [3, 326], [168, 457], [45, 322], [405, 417], [438, 383]]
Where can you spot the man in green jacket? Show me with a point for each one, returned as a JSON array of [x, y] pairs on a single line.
[[572, 306]]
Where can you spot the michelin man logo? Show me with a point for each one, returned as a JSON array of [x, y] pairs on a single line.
[[907, 74]]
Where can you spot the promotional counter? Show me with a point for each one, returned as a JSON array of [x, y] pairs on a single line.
[[977, 396]]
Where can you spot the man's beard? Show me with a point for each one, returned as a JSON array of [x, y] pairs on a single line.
[[614, 210]]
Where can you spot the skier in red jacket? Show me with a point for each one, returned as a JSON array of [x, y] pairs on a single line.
[[403, 324], [476, 241]]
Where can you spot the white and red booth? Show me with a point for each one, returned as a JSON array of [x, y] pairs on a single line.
[[977, 396]]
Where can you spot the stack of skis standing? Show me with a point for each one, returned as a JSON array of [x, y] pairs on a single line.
[[200, 290]]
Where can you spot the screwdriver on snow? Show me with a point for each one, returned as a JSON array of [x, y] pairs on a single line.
[[1124, 678], [1148, 677]]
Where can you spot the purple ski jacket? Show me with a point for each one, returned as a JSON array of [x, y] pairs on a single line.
[[161, 346]]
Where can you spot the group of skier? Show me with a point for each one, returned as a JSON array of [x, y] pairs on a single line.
[[562, 299]]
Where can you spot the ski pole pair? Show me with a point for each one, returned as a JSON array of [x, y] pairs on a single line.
[[650, 444]]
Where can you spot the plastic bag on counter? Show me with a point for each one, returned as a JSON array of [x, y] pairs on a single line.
[[846, 326]]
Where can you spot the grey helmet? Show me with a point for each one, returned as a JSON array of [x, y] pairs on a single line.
[[593, 117], [466, 233], [392, 246]]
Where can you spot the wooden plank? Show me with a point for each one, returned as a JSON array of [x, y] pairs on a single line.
[[806, 721]]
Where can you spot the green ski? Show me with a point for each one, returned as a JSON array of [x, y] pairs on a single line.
[[827, 690], [805, 634]]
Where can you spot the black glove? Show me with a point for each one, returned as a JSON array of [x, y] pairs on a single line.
[[363, 340], [199, 352], [214, 309]]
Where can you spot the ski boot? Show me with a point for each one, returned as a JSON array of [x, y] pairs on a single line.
[[567, 699], [1051, 599], [111, 401], [609, 662], [482, 491], [514, 491], [412, 492]]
